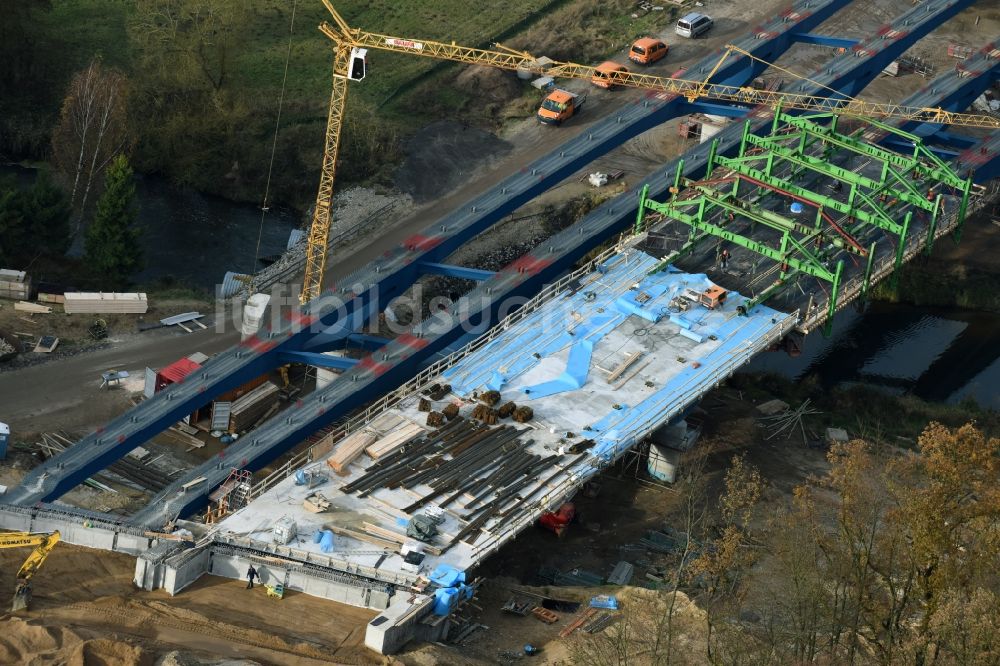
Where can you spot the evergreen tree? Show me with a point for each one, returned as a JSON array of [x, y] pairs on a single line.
[[48, 212], [111, 246], [34, 222]]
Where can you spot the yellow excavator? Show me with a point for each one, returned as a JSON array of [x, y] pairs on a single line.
[[43, 543]]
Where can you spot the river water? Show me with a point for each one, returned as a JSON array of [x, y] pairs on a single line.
[[938, 354], [195, 238]]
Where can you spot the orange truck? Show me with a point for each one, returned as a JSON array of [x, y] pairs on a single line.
[[559, 106], [606, 74]]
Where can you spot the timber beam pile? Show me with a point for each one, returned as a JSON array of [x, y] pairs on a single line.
[[476, 472]]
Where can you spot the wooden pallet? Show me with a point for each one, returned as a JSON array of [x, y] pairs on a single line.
[[545, 615]]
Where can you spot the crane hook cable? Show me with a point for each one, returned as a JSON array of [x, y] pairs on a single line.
[[274, 145]]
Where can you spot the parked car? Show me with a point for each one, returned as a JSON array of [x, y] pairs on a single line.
[[694, 25], [606, 75], [647, 50]]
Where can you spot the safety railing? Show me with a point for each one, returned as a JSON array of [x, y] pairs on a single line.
[[251, 547]]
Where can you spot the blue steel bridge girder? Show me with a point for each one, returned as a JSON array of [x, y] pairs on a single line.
[[451, 270], [366, 341], [824, 40], [358, 296], [716, 109], [951, 140], [541, 265], [318, 360]]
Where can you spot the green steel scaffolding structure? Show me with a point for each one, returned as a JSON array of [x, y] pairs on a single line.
[[874, 195]]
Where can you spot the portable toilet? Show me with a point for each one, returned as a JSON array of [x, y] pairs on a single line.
[[4, 437]]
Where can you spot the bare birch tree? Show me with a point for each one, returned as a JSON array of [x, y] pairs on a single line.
[[92, 129]]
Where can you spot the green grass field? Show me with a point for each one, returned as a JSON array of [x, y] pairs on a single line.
[[196, 135]]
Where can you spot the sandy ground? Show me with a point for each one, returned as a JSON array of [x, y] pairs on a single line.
[[85, 604]]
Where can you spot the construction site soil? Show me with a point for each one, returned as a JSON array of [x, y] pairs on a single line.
[[86, 611]]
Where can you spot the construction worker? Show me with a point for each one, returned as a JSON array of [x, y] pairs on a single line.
[[724, 259], [251, 574]]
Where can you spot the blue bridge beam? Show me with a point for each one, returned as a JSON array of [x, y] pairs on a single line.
[[824, 40], [952, 140], [451, 270], [318, 360], [717, 109]]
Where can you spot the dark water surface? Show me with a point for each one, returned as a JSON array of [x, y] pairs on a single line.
[[938, 354]]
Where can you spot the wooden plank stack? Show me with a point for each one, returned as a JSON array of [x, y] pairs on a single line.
[[349, 449], [393, 440], [33, 308], [83, 302], [245, 411], [15, 285]]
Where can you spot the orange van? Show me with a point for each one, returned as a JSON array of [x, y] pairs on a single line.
[[647, 50], [558, 106], [606, 74]]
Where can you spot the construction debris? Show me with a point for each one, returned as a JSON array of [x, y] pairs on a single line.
[[523, 414], [316, 503], [450, 411], [621, 574], [132, 470], [184, 318], [837, 436], [105, 303], [772, 407], [516, 607], [439, 391], [248, 409], [787, 422], [599, 623], [47, 344], [485, 414]]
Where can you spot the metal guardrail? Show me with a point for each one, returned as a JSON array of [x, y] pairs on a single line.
[[295, 556]]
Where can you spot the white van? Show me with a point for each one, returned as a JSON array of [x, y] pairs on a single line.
[[694, 25]]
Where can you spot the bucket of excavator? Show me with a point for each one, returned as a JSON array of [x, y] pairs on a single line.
[[22, 597]]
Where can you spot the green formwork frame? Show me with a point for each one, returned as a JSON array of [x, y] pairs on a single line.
[[907, 183]]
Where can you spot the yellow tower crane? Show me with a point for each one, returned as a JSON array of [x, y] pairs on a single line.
[[43, 543], [351, 45]]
